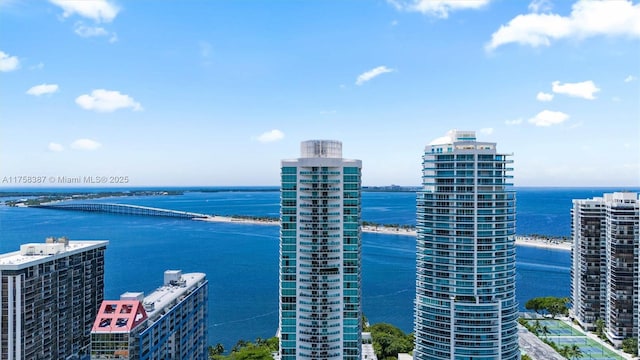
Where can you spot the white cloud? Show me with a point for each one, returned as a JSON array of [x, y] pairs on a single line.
[[548, 118], [544, 96], [584, 89], [513, 122], [86, 31], [271, 136], [537, 6], [55, 147], [85, 144], [486, 131], [89, 31], [97, 10], [630, 78], [39, 66], [102, 100], [437, 8], [43, 89], [588, 18], [368, 75], [8, 63]]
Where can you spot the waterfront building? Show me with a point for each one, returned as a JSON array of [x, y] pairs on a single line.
[[320, 255], [170, 323], [604, 273], [49, 295], [588, 276], [465, 305]]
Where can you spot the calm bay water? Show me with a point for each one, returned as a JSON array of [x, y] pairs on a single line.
[[241, 261]]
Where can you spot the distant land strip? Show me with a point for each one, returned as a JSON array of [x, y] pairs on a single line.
[[535, 240]]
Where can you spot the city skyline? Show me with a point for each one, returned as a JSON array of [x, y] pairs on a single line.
[[135, 90]]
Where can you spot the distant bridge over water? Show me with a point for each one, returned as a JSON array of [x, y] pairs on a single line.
[[123, 209]]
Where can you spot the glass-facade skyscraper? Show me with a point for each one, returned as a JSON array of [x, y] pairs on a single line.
[[320, 254], [465, 305]]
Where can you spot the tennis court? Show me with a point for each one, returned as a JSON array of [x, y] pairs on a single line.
[[591, 349], [558, 328], [563, 334]]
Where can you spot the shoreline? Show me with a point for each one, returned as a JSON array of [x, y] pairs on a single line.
[[539, 242]]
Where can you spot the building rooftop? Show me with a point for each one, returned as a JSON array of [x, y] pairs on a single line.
[[120, 316], [618, 197], [321, 149], [453, 136], [124, 315], [176, 286], [35, 253]]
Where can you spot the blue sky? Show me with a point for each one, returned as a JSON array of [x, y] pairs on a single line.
[[216, 93]]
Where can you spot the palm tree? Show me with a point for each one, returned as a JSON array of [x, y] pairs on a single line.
[[215, 350], [564, 351], [571, 351], [536, 327], [575, 352], [545, 330]]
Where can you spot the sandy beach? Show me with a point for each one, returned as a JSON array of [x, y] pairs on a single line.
[[547, 243], [229, 219]]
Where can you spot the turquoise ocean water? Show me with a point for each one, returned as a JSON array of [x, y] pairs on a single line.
[[241, 261]]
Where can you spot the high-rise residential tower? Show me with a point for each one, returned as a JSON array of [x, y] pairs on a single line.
[[588, 270], [49, 295], [320, 254], [604, 272], [169, 323], [465, 304]]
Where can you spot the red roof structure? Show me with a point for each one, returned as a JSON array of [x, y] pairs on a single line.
[[119, 316]]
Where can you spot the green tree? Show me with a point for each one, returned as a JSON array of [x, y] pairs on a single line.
[[536, 328], [215, 350], [245, 350], [388, 341], [534, 304], [571, 352], [563, 351], [556, 306], [251, 352], [548, 305], [630, 346], [545, 330], [600, 328], [575, 352]]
